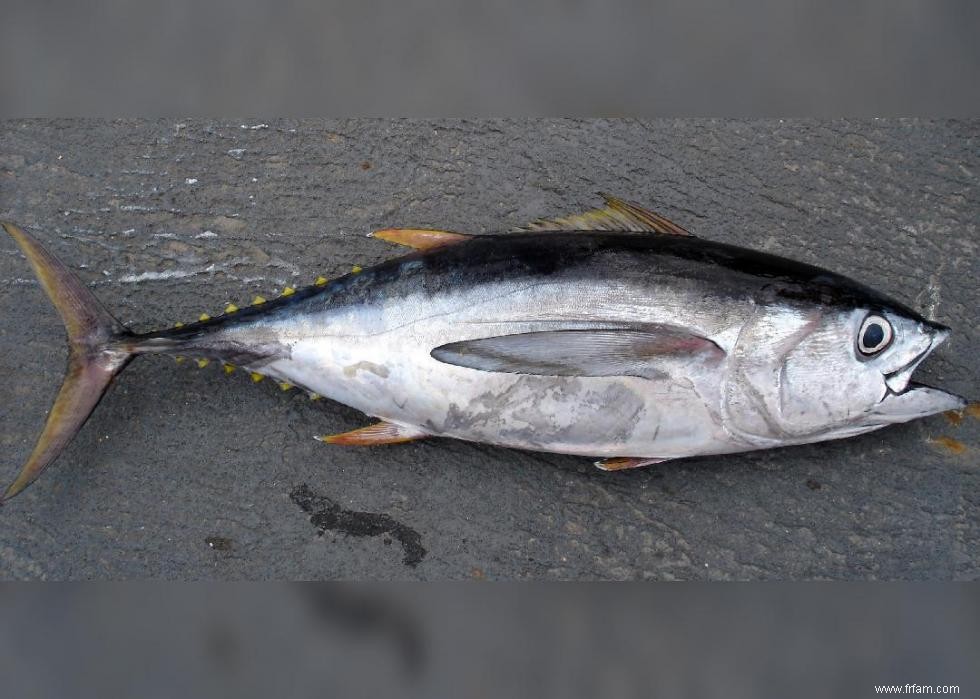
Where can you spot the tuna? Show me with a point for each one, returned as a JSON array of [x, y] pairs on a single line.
[[613, 334]]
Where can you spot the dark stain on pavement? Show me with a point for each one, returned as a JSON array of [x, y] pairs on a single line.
[[326, 515], [219, 543]]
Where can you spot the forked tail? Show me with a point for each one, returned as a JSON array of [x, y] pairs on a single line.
[[97, 352]]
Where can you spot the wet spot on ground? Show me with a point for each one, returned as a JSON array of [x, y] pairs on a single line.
[[327, 515]]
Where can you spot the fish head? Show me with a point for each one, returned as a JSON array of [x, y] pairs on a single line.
[[811, 372], [850, 372]]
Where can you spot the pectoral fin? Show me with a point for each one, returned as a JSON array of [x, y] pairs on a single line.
[[616, 215], [648, 351], [380, 433]]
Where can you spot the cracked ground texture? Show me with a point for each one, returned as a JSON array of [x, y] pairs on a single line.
[[169, 219]]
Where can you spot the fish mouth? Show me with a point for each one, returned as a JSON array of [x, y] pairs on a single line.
[[905, 400], [898, 381]]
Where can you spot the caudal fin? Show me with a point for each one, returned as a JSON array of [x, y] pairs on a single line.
[[96, 354]]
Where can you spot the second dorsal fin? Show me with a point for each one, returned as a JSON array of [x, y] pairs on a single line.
[[420, 238], [616, 215]]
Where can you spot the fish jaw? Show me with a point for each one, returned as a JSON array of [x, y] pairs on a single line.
[[898, 381], [915, 402]]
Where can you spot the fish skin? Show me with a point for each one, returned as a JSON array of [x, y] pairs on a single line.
[[773, 360]]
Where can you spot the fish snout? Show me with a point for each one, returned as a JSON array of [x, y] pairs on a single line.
[[937, 332]]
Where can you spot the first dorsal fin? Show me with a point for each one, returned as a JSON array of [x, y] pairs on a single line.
[[616, 215], [420, 238]]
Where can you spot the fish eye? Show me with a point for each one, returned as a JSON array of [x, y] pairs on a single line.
[[874, 336]]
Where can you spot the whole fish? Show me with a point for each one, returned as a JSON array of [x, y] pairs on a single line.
[[614, 334]]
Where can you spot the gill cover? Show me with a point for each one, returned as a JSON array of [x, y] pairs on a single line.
[[95, 356]]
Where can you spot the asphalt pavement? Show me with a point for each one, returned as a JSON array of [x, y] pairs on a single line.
[[186, 473]]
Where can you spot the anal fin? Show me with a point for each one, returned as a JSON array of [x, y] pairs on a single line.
[[420, 238], [621, 463], [379, 433]]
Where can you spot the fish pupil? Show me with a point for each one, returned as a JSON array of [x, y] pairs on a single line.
[[873, 335]]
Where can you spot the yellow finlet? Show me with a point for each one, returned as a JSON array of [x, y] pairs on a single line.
[[419, 238], [288, 291], [179, 359], [204, 317], [231, 308], [315, 396], [202, 362], [178, 324], [258, 301], [229, 368], [320, 281], [356, 269], [256, 376], [285, 385]]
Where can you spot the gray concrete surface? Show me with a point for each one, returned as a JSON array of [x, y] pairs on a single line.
[[187, 474]]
